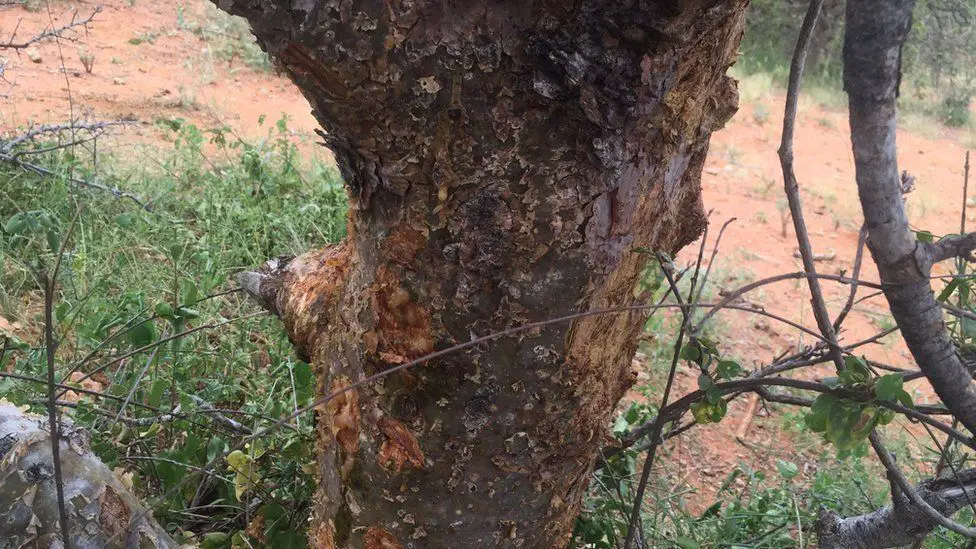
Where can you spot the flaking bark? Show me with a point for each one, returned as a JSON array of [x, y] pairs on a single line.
[[505, 162], [100, 509]]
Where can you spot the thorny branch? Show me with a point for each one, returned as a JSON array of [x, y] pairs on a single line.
[[58, 32], [10, 154]]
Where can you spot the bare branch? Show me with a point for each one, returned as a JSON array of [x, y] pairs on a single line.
[[951, 247], [58, 32], [8, 155], [914, 513]]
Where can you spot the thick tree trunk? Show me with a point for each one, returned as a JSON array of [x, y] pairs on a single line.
[[505, 162]]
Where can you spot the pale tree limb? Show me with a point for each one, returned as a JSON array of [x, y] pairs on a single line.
[[901, 523], [875, 32]]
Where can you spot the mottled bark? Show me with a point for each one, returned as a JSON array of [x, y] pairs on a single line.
[[100, 509], [505, 161], [875, 33], [900, 523]]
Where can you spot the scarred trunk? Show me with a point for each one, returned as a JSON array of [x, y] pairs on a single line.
[[505, 162]]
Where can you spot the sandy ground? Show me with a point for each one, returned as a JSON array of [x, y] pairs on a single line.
[[176, 75]]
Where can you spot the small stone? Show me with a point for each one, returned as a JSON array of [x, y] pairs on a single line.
[[118, 81], [33, 55]]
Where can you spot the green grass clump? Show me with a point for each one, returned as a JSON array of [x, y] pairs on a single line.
[[131, 278]]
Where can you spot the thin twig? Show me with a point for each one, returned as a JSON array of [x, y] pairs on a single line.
[[51, 33]]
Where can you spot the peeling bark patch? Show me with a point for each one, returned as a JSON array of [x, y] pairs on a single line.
[[343, 413], [322, 535], [378, 538], [400, 447], [403, 244], [403, 326], [115, 514], [310, 291]]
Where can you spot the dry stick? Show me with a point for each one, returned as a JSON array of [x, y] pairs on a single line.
[[52, 33], [33, 132], [740, 433], [135, 384], [659, 425], [792, 188], [711, 260], [82, 183], [858, 257], [51, 345]]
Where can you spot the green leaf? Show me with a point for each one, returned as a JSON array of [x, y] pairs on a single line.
[[787, 469], [888, 387], [905, 399], [924, 236], [53, 240], [691, 352], [156, 391], [816, 420], [289, 539], [163, 310], [142, 334], [126, 220], [189, 292], [728, 369], [214, 540], [61, 311], [947, 291], [705, 383], [686, 543], [16, 224], [858, 369], [215, 447]]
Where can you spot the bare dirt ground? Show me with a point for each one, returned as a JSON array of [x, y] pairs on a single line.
[[148, 63]]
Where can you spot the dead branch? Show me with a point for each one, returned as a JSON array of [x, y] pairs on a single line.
[[58, 32]]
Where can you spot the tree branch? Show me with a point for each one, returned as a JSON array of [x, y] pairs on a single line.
[[904, 521], [875, 32], [50, 33], [951, 247]]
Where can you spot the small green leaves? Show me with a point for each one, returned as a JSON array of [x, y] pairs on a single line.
[[164, 310], [888, 387], [787, 469], [728, 369], [924, 236], [142, 334], [708, 412], [856, 371]]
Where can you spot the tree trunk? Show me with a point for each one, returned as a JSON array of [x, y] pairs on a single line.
[[506, 162]]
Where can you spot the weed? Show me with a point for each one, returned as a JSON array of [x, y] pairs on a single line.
[[87, 59], [130, 277], [228, 37], [760, 114]]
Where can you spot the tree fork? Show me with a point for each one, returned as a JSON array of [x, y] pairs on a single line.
[[505, 162]]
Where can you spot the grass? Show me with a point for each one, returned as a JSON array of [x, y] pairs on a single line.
[[228, 37], [221, 205]]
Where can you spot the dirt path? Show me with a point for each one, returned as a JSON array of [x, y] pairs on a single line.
[[151, 59]]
